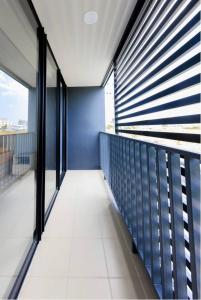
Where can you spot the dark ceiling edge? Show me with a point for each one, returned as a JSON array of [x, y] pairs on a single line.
[[31, 6], [135, 13], [34, 12]]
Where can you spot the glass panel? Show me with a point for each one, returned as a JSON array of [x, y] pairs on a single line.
[[61, 127], [50, 158], [18, 70]]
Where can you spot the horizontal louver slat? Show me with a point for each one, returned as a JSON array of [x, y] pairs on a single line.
[[167, 37], [154, 66], [157, 73]]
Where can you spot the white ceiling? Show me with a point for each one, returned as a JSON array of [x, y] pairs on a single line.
[[83, 51]]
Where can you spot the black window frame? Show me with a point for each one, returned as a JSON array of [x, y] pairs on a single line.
[[41, 215]]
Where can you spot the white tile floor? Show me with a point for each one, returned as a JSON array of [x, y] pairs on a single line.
[[85, 252]]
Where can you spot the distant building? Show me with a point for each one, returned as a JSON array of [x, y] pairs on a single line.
[[4, 122], [23, 123], [7, 125]]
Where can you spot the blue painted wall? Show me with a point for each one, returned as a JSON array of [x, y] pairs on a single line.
[[50, 152], [86, 118]]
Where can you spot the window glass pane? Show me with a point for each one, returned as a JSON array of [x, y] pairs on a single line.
[[51, 97], [61, 126], [18, 72]]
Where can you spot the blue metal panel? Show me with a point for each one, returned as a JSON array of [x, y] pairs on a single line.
[[50, 159], [121, 174], [111, 163], [133, 192], [128, 176], [145, 203], [86, 118], [124, 195], [192, 171], [158, 196], [153, 196], [165, 239], [139, 199], [177, 223], [119, 170], [116, 166]]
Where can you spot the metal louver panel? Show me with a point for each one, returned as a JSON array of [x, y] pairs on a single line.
[[157, 191], [157, 72]]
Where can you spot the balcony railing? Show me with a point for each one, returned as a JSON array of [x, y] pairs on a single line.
[[17, 156], [157, 191]]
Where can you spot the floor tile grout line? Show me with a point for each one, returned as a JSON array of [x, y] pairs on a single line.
[[76, 277], [110, 287]]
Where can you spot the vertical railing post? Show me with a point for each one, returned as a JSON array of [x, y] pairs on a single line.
[[139, 199], [178, 242], [133, 192], [121, 176], [115, 167], [154, 226], [117, 172], [145, 204], [128, 175], [192, 174], [166, 269], [124, 198]]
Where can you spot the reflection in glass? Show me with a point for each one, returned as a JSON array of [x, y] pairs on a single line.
[[61, 126], [18, 70], [50, 159]]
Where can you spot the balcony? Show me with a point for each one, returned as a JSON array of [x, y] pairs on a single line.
[[100, 149], [86, 249]]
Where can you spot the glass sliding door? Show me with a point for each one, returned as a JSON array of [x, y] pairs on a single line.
[[61, 127], [65, 129], [62, 167], [18, 137], [50, 153]]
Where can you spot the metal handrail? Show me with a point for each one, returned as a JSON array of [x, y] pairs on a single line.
[[159, 146]]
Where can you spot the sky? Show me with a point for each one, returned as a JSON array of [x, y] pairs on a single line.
[[109, 100], [13, 99]]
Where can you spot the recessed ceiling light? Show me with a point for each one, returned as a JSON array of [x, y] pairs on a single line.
[[90, 17]]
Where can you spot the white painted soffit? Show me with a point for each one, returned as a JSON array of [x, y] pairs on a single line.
[[83, 51]]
